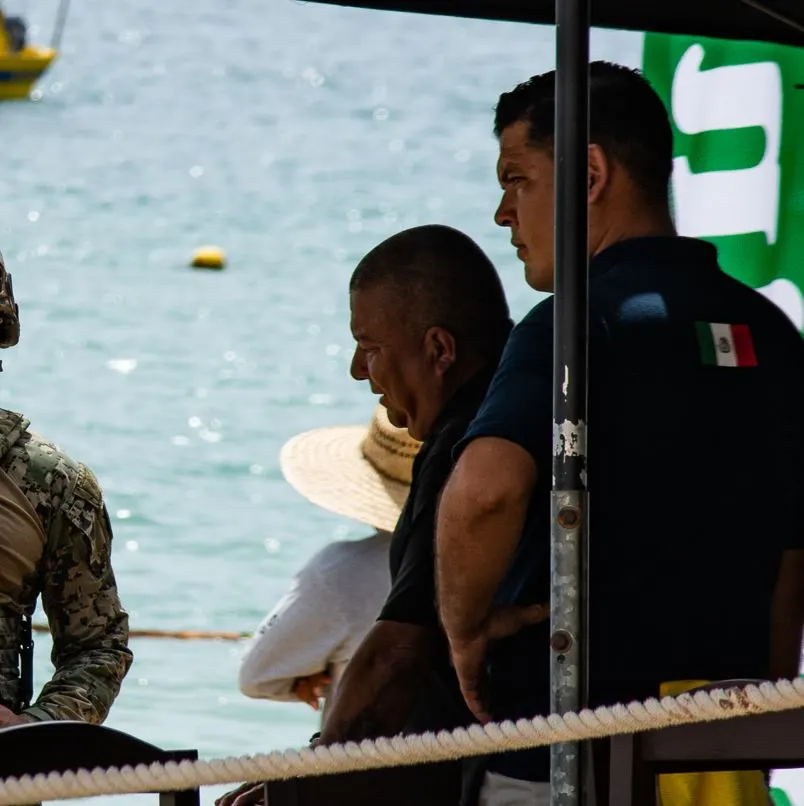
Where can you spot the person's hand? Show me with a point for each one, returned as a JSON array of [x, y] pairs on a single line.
[[469, 654], [245, 795], [509, 619], [8, 718], [311, 689]]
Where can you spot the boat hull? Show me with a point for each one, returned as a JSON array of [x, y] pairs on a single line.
[[20, 71]]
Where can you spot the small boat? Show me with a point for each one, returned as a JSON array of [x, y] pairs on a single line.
[[23, 64]]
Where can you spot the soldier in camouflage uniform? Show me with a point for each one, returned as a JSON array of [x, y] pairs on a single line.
[[55, 540]]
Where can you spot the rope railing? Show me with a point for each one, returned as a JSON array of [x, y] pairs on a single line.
[[699, 706]]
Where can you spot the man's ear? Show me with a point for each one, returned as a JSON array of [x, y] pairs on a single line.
[[599, 172], [441, 349]]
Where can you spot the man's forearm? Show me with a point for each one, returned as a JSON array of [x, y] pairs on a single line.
[[83, 689], [91, 659], [377, 701], [87, 621], [377, 693], [480, 521]]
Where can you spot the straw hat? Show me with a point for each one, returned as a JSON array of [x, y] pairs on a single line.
[[362, 473]]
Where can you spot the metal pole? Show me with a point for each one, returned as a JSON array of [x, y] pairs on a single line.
[[61, 21], [568, 642]]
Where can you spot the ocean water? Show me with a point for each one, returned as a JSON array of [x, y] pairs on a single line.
[[295, 137]]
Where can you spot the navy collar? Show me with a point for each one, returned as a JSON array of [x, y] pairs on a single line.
[[674, 251]]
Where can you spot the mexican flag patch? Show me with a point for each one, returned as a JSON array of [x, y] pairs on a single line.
[[726, 345]]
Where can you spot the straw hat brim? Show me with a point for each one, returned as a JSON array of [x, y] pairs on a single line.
[[327, 467]]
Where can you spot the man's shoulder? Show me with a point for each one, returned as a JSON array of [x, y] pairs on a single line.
[[34, 461], [50, 477], [531, 338], [770, 314], [540, 315]]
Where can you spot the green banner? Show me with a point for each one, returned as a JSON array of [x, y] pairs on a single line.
[[737, 110], [780, 798]]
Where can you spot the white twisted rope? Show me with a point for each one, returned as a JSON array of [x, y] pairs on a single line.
[[702, 706]]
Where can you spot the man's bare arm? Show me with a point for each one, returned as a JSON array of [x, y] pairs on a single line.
[[787, 616], [378, 690], [480, 520]]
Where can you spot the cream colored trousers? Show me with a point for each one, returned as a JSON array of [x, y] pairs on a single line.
[[499, 790]]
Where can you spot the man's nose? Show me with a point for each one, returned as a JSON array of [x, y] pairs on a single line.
[[504, 216], [358, 369]]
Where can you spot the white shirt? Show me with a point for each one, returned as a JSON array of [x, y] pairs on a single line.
[[318, 624]]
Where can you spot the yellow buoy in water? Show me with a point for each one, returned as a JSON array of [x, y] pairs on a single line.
[[208, 257]]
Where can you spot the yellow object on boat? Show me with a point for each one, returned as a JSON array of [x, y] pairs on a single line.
[[209, 257], [745, 788]]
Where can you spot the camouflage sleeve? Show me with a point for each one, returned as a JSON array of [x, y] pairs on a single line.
[[87, 621]]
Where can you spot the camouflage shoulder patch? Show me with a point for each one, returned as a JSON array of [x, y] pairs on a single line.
[[82, 508], [87, 487]]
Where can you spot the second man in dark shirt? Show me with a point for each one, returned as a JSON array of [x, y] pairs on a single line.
[[430, 320]]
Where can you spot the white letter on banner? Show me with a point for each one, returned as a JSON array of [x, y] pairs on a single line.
[[734, 97]]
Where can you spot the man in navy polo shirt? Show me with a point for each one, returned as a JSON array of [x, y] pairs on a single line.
[[694, 435]]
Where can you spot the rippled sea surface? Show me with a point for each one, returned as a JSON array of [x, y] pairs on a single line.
[[295, 137]]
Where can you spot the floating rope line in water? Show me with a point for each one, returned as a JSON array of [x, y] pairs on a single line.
[[183, 635], [685, 709]]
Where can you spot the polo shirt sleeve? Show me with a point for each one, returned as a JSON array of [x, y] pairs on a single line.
[[519, 404], [412, 599]]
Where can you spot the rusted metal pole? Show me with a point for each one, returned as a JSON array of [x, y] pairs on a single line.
[[568, 673]]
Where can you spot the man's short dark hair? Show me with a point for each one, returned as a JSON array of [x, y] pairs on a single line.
[[627, 119], [441, 277]]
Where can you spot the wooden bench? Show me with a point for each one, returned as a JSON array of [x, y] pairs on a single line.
[[61, 746]]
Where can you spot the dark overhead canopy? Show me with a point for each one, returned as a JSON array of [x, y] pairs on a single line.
[[780, 21]]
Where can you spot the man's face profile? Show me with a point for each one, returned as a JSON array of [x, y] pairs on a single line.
[[525, 174], [387, 354]]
